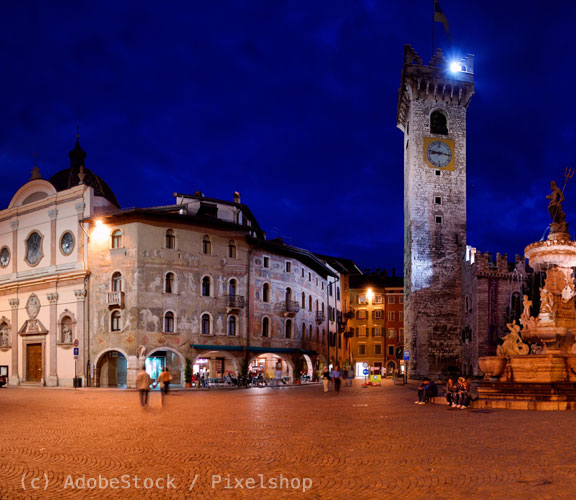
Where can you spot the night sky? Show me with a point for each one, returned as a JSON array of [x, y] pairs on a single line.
[[292, 103]]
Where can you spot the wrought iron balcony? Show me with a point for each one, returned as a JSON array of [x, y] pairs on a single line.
[[115, 299], [235, 301], [320, 317]]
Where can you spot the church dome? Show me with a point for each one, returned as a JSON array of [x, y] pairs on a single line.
[[65, 179]]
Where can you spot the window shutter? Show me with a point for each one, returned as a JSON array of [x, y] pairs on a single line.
[[373, 314], [358, 314], [373, 332], [357, 332]]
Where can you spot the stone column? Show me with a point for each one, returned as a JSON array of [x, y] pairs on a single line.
[[14, 378], [52, 378], [53, 240], [80, 333]]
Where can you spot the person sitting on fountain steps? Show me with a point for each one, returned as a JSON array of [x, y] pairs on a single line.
[[427, 390]]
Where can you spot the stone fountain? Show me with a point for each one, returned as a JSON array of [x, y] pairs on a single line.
[[535, 367]]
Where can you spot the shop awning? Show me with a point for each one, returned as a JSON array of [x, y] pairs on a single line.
[[256, 349]]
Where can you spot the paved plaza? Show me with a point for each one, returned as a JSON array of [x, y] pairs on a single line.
[[293, 443]]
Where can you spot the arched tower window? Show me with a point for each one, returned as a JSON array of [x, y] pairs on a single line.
[[265, 327], [266, 292], [438, 123]]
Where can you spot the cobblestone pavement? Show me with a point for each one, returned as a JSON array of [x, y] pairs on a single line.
[[361, 444]]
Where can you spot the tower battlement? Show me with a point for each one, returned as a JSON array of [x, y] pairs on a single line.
[[434, 81], [485, 263]]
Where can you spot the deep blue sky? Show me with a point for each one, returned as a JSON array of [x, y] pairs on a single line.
[[292, 103]]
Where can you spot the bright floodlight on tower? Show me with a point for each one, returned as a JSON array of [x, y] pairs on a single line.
[[455, 67]]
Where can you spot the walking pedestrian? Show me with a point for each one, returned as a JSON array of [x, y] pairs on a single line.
[[143, 382], [325, 378], [336, 377], [164, 380]]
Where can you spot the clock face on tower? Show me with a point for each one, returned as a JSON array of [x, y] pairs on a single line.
[[439, 153]]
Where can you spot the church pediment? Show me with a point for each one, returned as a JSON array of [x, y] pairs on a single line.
[[32, 327]]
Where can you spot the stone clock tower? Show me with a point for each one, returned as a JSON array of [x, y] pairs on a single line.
[[432, 104]]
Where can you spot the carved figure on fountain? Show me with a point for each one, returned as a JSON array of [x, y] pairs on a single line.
[[526, 320], [513, 344], [559, 224]]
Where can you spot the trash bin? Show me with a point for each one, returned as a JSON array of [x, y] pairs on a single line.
[[77, 382]]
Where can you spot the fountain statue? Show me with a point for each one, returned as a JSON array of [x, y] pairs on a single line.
[[539, 355]]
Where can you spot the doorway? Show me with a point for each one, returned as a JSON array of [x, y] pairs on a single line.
[[33, 362]]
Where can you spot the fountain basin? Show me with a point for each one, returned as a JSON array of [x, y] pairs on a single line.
[[543, 255], [492, 366]]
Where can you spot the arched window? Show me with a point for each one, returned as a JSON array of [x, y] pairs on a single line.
[[231, 325], [205, 324], [438, 123], [288, 295], [265, 327], [310, 303], [232, 288], [206, 245], [169, 283], [232, 249], [117, 282], [170, 239], [115, 321], [317, 304], [266, 292], [116, 239], [303, 331], [66, 330], [323, 308], [206, 286], [303, 300], [288, 328], [169, 322]]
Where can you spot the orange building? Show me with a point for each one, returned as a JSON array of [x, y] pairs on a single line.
[[376, 330]]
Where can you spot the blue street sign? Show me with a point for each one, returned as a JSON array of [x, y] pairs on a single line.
[[76, 349], [366, 371], [406, 355]]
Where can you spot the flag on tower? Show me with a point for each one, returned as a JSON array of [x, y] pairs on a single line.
[[440, 17]]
